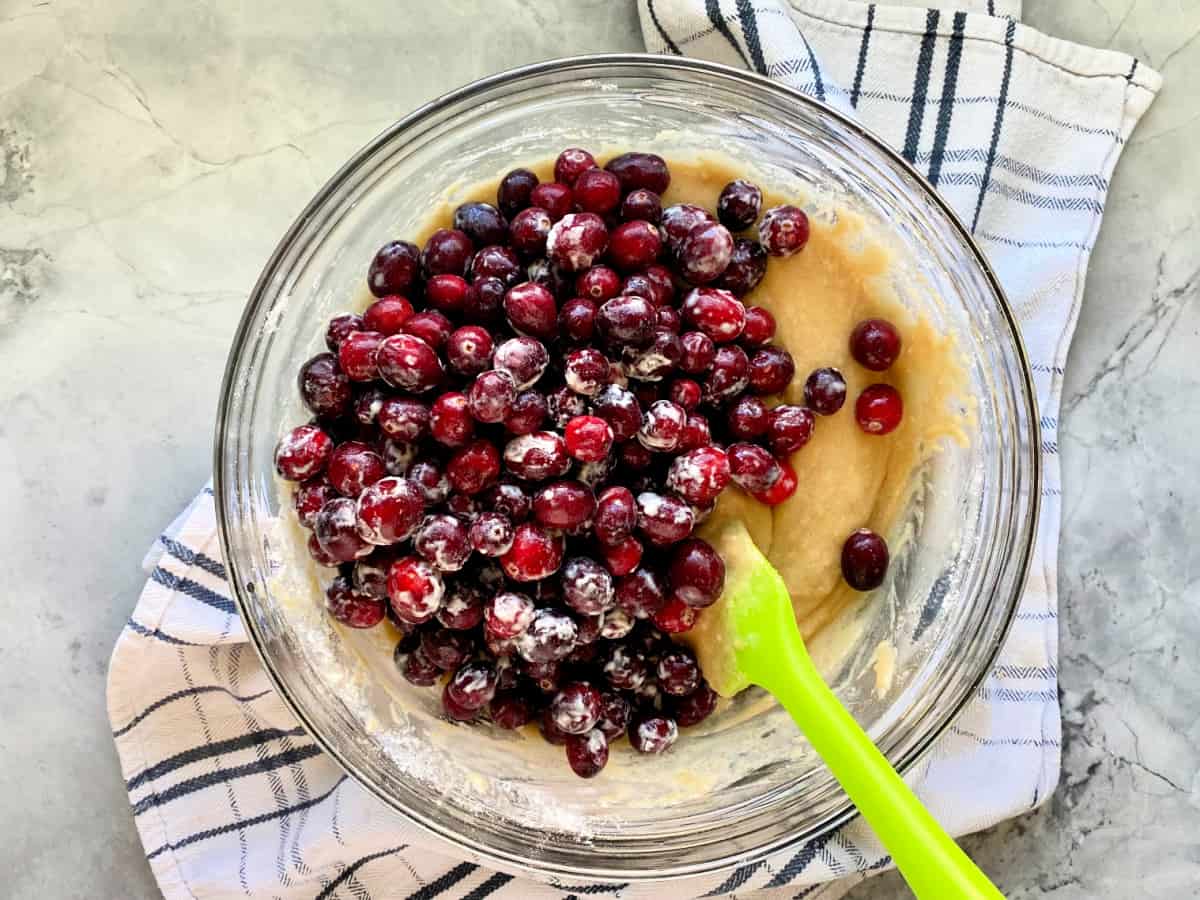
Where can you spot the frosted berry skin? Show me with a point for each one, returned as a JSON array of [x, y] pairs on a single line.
[[825, 391], [415, 590], [783, 230], [303, 453], [408, 363], [388, 510], [576, 241], [739, 205]]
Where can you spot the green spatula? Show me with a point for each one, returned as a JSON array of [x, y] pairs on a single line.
[[754, 640]]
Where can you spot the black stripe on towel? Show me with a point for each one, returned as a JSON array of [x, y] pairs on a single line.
[[662, 32], [946, 106], [349, 871], [195, 754], [1009, 34], [750, 31], [713, 9], [916, 114], [861, 69]]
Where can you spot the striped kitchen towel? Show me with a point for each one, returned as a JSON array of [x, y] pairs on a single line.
[[1021, 133]]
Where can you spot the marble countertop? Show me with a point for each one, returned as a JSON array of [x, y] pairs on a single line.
[[151, 155]]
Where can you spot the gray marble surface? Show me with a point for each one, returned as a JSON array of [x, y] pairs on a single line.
[[152, 153]]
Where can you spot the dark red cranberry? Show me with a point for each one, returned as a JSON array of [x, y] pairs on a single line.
[[668, 319], [642, 205], [747, 419], [664, 519], [446, 252], [446, 649], [394, 268], [535, 554], [443, 541], [357, 355], [825, 391], [697, 573], [576, 241], [389, 510], [864, 560], [623, 557], [336, 531], [596, 191], [430, 326], [367, 403], [496, 261], [615, 516], [572, 163], [508, 613], [699, 476], [739, 205], [577, 318], [492, 534], [509, 500], [588, 438], [370, 572], [698, 352], [462, 608], [303, 453], [430, 480], [398, 456], [387, 315], [550, 636], [529, 230], [705, 253], [341, 327], [485, 300], [450, 420], [586, 371], [656, 360], [783, 230], [625, 667], [587, 586], [404, 418], [482, 223], [696, 433], [324, 387], [728, 376], [747, 266], [752, 467], [576, 708], [510, 710], [554, 197], [662, 426], [549, 731], [409, 363], [415, 589], [653, 734], [524, 358], [771, 370], [351, 608], [464, 506], [715, 312], [695, 707], [634, 457], [472, 686], [564, 405], [678, 672], [322, 556], [640, 171], [759, 328], [352, 466], [447, 293], [474, 467], [879, 409], [563, 504], [674, 617], [685, 393], [310, 497], [417, 668], [680, 219], [875, 344], [469, 350], [531, 310], [634, 245], [789, 428], [512, 194], [599, 283], [627, 319], [587, 754], [529, 412], [620, 409], [491, 397], [614, 713], [782, 489]]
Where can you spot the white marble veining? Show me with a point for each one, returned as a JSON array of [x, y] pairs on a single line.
[[152, 153]]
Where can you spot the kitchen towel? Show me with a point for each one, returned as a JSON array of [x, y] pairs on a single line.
[[1020, 132]]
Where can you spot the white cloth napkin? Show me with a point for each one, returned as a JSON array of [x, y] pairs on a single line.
[[1020, 132]]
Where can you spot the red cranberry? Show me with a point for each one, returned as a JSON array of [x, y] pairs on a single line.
[[825, 391], [663, 284], [474, 467], [320, 555], [747, 266], [367, 403], [599, 283], [512, 194], [789, 428], [510, 711], [587, 754], [699, 475], [728, 376], [680, 219], [495, 261], [370, 572], [696, 433], [669, 319], [546, 726], [596, 191], [623, 557], [535, 554], [588, 438], [695, 707], [352, 466], [387, 315], [620, 409], [576, 241], [509, 500], [625, 667], [642, 205], [674, 617], [586, 371], [664, 519], [879, 409], [563, 504], [759, 328], [739, 205], [662, 426], [698, 352], [577, 318], [430, 326], [417, 668], [685, 393], [469, 350], [324, 387], [409, 363], [576, 708], [550, 636], [336, 531], [656, 360], [704, 254], [472, 686], [309, 499], [616, 515], [446, 649], [485, 300], [303, 453], [528, 232], [442, 540], [697, 573], [640, 285], [875, 344], [430, 480], [446, 253], [587, 586], [614, 713], [531, 310], [627, 319], [572, 163], [782, 489], [491, 397], [350, 607], [752, 467], [748, 418], [508, 614], [524, 358], [634, 456], [864, 560], [715, 312], [634, 245], [389, 510], [450, 420], [492, 534], [394, 268], [678, 673], [341, 327], [482, 223], [357, 355], [771, 370], [537, 456], [653, 734], [447, 293], [640, 170], [554, 197], [529, 412], [783, 230], [462, 608], [415, 589]]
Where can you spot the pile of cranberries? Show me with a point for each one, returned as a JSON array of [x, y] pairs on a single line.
[[514, 443]]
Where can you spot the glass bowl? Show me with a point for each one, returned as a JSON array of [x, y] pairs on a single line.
[[745, 783]]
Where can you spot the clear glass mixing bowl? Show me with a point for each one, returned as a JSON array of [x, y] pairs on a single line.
[[745, 782]]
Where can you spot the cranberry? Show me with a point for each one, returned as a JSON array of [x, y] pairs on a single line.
[[415, 589], [508, 613], [662, 426], [699, 475], [370, 573], [341, 327], [625, 667], [598, 283], [430, 326], [695, 707], [576, 241], [409, 363], [463, 506], [495, 261], [528, 232], [752, 467], [669, 319], [319, 554], [531, 310], [634, 245], [715, 312], [394, 268], [576, 708], [469, 350], [302, 453], [789, 428], [656, 360], [678, 673], [309, 499], [596, 191], [336, 531], [492, 534], [389, 510], [537, 456], [614, 713], [535, 554], [512, 194], [509, 500], [474, 467], [491, 397], [447, 293], [446, 649], [875, 344], [825, 391], [616, 515], [450, 420], [696, 433], [563, 504], [635, 457], [462, 608], [524, 358], [748, 418], [587, 754], [864, 560], [577, 318], [698, 352], [419, 670], [442, 540], [685, 393], [627, 319], [759, 328], [510, 710], [697, 573], [680, 219], [588, 438], [586, 371], [664, 519], [642, 205], [357, 355], [623, 557], [367, 403], [620, 409], [572, 163], [529, 412], [554, 197], [674, 617], [485, 300], [446, 253], [782, 489], [783, 230], [662, 282], [705, 253], [350, 607], [747, 266], [587, 586], [546, 726], [653, 734], [550, 636], [482, 223], [739, 205], [879, 409], [640, 170], [771, 370], [640, 285], [430, 480], [472, 686], [728, 376], [324, 387], [353, 466]]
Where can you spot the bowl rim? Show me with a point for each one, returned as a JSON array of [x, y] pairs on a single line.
[[526, 864]]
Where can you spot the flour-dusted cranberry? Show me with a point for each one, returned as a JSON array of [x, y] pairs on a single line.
[[695, 707], [625, 667], [446, 649], [352, 466], [512, 194], [825, 391], [537, 456], [483, 223], [324, 387], [752, 467], [716, 313], [524, 358], [587, 753], [431, 326], [674, 617], [685, 393], [627, 319], [357, 355], [641, 593], [529, 413], [589, 438], [728, 376], [389, 510], [417, 668], [547, 728], [679, 220], [492, 534], [699, 475], [474, 467], [508, 613], [394, 269], [864, 560], [528, 232], [771, 370], [662, 426], [303, 453], [696, 433], [320, 555], [576, 241], [510, 710], [463, 506], [462, 608], [416, 590], [450, 420], [446, 253], [640, 170], [536, 553], [577, 318], [473, 685], [485, 300], [664, 519], [551, 636], [370, 572], [341, 327], [586, 371], [739, 204], [599, 283], [509, 500], [336, 531], [662, 281], [615, 624], [554, 197], [351, 608], [747, 419], [759, 328], [615, 712], [576, 707], [705, 253], [623, 557], [310, 497], [879, 409], [596, 191], [572, 163], [368, 400], [783, 230], [430, 479], [653, 734], [656, 360], [409, 363], [678, 672], [782, 489], [387, 315], [491, 397], [398, 456], [531, 310], [789, 428], [747, 266], [668, 319], [587, 586], [634, 245], [698, 352], [495, 261], [697, 573], [469, 350], [620, 409], [563, 504], [641, 205], [875, 344], [615, 516], [443, 541]]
